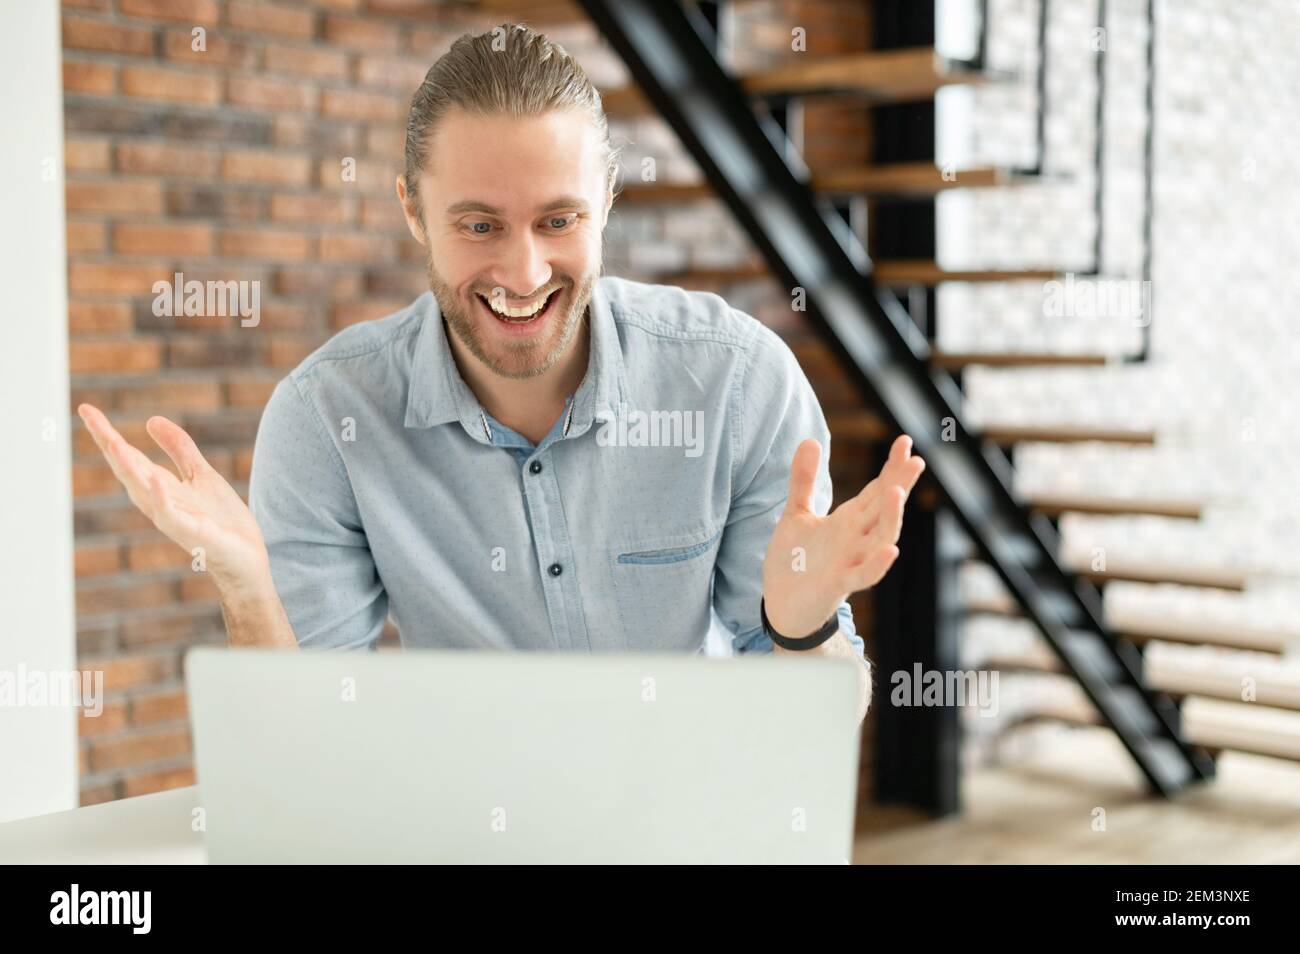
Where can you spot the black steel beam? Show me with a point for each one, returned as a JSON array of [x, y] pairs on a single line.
[[663, 45]]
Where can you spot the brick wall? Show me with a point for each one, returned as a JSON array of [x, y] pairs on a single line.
[[223, 160]]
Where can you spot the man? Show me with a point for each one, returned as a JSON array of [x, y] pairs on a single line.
[[531, 455]]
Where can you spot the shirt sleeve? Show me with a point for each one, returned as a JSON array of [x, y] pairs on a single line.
[[302, 499], [777, 410]]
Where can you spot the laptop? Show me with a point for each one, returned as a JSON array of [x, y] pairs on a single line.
[[456, 756]]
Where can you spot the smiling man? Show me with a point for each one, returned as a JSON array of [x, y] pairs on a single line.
[[452, 465]]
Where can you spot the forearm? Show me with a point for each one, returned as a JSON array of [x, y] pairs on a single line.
[[839, 646], [255, 616]]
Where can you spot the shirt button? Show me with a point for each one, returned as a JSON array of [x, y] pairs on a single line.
[[555, 569], [535, 467]]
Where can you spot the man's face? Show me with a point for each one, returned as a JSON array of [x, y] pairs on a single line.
[[512, 212]]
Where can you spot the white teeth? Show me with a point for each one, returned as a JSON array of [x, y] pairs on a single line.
[[527, 312]]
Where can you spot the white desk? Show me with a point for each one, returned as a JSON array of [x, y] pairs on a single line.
[[150, 829]]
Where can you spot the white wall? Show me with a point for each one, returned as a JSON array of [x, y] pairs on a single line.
[[38, 745]]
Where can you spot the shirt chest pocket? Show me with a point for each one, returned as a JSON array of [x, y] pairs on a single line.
[[663, 588]]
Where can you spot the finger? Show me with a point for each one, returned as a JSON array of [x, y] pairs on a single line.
[[889, 523], [178, 445], [166, 512], [871, 570], [803, 477], [129, 465]]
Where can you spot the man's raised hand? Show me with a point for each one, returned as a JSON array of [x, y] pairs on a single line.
[[195, 507]]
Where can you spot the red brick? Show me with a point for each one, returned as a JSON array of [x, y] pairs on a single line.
[[95, 597], [86, 155], [197, 12], [271, 18], [356, 247], [91, 478], [110, 278], [170, 239], [198, 588], [391, 72], [350, 314], [133, 355], [362, 34], [83, 77], [149, 782], [161, 158], [250, 390], [372, 177], [288, 352], [159, 707], [139, 749], [321, 63], [86, 236], [218, 50], [259, 93], [368, 107], [177, 86], [98, 316], [313, 280], [178, 625], [113, 718], [151, 555], [266, 244], [80, 33], [97, 559], [328, 209], [243, 464], [133, 197], [271, 167], [170, 396], [96, 794]]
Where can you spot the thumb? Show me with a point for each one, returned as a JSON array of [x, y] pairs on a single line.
[[803, 477], [180, 447]]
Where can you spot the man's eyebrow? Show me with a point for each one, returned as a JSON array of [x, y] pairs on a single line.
[[473, 205]]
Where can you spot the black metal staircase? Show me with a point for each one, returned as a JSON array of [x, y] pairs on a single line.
[[669, 51]]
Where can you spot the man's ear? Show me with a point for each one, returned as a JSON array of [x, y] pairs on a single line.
[[409, 211]]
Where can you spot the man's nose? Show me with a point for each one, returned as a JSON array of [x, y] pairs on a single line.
[[522, 268]]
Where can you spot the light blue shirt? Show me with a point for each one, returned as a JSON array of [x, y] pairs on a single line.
[[639, 522]]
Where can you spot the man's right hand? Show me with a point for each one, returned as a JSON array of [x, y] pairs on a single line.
[[200, 511]]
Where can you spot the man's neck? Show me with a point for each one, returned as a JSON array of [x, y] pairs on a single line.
[[529, 406]]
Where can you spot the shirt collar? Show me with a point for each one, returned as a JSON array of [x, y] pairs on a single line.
[[439, 395]]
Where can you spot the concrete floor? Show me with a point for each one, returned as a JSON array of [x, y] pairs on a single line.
[[1041, 810]]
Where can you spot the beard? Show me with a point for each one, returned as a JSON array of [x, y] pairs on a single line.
[[515, 360]]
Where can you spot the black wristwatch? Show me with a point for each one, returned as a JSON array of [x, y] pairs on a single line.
[[829, 629]]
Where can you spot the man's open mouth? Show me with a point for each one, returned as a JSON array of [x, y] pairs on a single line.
[[520, 316]]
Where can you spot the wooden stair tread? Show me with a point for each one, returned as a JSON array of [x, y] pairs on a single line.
[[1277, 687], [957, 360], [905, 178], [886, 272], [925, 272], [899, 178], [1057, 503], [1006, 434], [1212, 577], [879, 75], [1210, 723], [1191, 632], [624, 102]]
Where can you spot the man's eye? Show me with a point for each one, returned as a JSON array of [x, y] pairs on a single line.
[[475, 228], [560, 222]]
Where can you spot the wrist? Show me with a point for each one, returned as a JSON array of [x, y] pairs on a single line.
[[247, 587], [800, 640], [798, 622]]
